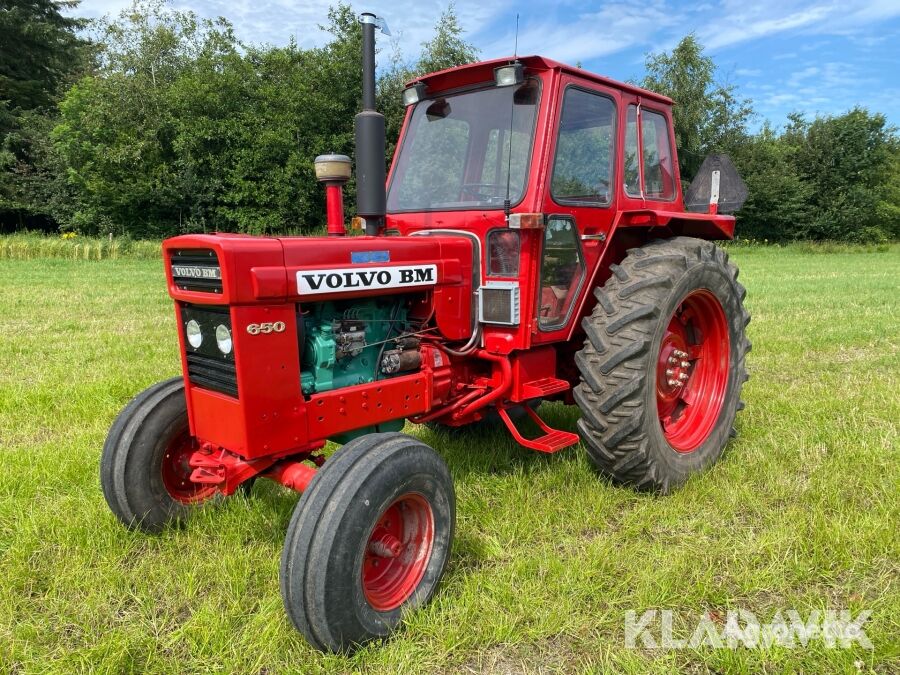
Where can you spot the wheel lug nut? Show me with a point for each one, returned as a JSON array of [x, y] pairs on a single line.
[[683, 376], [674, 383], [685, 364], [672, 361], [670, 372]]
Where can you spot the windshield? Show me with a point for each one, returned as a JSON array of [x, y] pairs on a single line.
[[460, 149]]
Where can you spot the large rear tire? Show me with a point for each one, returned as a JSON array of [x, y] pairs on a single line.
[[368, 541], [144, 468], [663, 364]]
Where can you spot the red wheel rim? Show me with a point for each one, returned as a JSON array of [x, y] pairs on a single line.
[[176, 472], [397, 552], [692, 370]]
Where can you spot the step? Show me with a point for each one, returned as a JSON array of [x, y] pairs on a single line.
[[552, 440], [542, 388]]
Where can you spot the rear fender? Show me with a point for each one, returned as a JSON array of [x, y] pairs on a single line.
[[635, 228], [662, 224]]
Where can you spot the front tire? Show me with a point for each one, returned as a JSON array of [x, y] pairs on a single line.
[[144, 467], [663, 364], [368, 541]]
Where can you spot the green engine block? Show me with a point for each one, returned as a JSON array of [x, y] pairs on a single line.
[[343, 341]]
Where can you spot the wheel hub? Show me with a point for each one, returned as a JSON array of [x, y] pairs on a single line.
[[692, 370], [397, 552], [674, 367]]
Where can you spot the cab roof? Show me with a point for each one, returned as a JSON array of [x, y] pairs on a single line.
[[483, 71]]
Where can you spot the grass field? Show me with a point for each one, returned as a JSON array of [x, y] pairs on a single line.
[[802, 512]]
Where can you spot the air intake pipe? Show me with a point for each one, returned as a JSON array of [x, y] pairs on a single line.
[[370, 137]]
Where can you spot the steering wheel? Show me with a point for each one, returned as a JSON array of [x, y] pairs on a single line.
[[473, 189]]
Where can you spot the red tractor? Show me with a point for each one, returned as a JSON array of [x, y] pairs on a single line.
[[530, 243]]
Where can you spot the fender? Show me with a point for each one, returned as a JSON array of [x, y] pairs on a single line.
[[690, 224]]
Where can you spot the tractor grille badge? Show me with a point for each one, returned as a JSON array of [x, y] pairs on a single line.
[[350, 279]]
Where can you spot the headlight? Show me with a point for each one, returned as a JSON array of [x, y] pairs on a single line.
[[413, 94], [223, 338], [194, 336], [505, 76]]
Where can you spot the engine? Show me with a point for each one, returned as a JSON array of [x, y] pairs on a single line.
[[357, 341]]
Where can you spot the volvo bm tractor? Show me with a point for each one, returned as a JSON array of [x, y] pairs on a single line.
[[531, 242]]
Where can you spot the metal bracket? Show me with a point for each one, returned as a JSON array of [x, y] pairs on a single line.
[[714, 187], [379, 22]]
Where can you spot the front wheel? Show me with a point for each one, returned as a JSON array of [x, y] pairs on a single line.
[[663, 364], [369, 540], [144, 468]]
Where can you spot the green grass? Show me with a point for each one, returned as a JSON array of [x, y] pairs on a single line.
[[802, 511]]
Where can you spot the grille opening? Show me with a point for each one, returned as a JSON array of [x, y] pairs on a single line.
[[212, 373], [196, 269]]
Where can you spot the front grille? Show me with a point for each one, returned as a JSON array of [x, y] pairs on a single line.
[[212, 373], [208, 367], [196, 269]]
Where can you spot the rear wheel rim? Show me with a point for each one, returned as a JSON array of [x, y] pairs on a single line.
[[692, 370], [397, 552], [176, 472]]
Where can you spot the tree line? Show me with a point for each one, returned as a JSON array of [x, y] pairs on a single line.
[[158, 122]]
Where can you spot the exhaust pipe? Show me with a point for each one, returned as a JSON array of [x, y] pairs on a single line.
[[371, 200]]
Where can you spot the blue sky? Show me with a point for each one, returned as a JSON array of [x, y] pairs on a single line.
[[786, 55]]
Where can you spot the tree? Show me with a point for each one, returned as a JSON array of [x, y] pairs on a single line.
[[185, 129], [118, 128], [40, 56], [41, 51], [849, 161], [709, 117], [445, 49], [779, 203]]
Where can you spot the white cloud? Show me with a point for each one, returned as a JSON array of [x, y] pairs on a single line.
[[810, 31], [586, 32], [741, 22], [797, 77], [615, 27], [276, 21]]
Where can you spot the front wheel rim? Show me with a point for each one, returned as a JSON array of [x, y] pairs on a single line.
[[176, 472], [692, 370], [397, 552]]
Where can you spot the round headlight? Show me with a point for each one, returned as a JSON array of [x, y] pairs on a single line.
[[194, 336], [223, 339]]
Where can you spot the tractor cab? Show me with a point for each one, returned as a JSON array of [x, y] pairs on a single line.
[[539, 161], [535, 134]]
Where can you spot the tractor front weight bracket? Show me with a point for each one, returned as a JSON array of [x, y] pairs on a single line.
[[215, 466]]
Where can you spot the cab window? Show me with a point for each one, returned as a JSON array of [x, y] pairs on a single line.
[[659, 176], [562, 271], [632, 171], [468, 150], [582, 169]]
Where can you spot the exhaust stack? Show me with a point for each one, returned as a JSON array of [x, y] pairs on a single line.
[[370, 136]]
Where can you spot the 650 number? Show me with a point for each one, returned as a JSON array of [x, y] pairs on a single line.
[[267, 327]]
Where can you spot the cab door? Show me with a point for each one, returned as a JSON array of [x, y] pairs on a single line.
[[579, 203]]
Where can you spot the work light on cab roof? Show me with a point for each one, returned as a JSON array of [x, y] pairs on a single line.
[[530, 244]]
